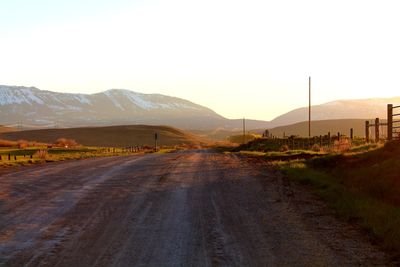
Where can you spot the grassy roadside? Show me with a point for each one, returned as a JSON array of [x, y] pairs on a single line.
[[362, 188], [31, 156]]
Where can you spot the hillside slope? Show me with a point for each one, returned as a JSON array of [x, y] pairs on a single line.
[[5, 129], [341, 109], [322, 127], [118, 136], [35, 108]]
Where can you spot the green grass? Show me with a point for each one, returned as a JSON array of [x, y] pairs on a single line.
[[282, 156], [362, 188]]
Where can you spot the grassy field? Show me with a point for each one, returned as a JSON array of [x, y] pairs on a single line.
[[362, 188], [113, 136], [33, 155]]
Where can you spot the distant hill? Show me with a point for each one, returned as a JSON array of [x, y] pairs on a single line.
[[118, 136], [322, 127], [341, 109], [5, 129], [35, 108]]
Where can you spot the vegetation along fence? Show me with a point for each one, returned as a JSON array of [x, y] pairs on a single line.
[[375, 131]]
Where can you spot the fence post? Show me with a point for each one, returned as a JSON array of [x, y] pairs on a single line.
[[329, 139], [367, 131], [390, 122], [338, 136], [376, 130]]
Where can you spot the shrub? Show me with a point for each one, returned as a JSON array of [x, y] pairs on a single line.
[[343, 145], [316, 148], [22, 144], [41, 154], [63, 142], [284, 148], [7, 143]]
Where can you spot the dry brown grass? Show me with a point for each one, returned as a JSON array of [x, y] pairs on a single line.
[[112, 136], [7, 143], [41, 154], [20, 143]]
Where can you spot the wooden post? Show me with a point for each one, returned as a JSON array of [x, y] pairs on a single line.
[[351, 134], [390, 122], [244, 131], [338, 136], [376, 130], [329, 139], [367, 131], [309, 107]]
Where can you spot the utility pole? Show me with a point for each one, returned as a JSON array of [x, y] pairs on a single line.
[[309, 107], [244, 131]]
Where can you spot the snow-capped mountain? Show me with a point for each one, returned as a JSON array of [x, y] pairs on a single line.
[[31, 107]]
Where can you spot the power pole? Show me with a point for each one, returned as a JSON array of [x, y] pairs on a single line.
[[244, 131], [309, 107]]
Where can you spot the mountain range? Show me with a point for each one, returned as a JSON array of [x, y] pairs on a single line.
[[33, 107]]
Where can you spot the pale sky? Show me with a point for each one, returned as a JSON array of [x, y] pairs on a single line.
[[240, 58]]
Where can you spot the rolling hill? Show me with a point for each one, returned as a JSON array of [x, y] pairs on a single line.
[[5, 129], [119, 136], [341, 109]]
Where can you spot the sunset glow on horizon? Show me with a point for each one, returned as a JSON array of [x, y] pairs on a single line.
[[240, 58]]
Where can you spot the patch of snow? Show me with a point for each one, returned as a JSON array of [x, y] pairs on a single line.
[[18, 95], [73, 108], [110, 95], [56, 107], [82, 99], [138, 100]]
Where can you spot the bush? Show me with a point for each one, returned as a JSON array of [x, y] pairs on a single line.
[[41, 154], [316, 148], [22, 144], [284, 148], [7, 143], [66, 143], [343, 145]]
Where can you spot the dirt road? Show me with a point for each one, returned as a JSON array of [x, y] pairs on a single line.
[[195, 208]]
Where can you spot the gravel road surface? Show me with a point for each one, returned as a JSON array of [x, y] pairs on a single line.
[[192, 208]]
